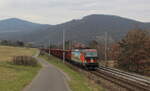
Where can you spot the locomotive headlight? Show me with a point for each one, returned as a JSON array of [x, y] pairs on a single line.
[[92, 61]]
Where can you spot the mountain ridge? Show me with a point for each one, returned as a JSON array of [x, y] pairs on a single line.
[[88, 28]]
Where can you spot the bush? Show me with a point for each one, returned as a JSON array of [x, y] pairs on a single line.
[[24, 60]]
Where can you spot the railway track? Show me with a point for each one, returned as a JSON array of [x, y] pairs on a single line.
[[131, 82]]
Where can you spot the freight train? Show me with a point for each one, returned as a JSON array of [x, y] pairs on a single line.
[[85, 58]]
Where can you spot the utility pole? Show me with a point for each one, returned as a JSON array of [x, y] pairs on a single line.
[[58, 41], [49, 47], [64, 46], [106, 45], [70, 45]]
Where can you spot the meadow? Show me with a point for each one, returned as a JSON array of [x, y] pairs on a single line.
[[7, 52]]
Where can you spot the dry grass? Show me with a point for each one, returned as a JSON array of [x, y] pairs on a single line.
[[7, 52]]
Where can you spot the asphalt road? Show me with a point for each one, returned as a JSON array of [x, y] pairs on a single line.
[[49, 78]]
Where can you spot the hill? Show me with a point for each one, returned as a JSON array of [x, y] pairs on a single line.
[[88, 28], [16, 25]]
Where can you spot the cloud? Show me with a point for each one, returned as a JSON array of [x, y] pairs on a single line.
[[57, 11]]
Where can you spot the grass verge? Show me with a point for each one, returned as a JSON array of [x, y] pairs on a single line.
[[14, 77], [78, 81]]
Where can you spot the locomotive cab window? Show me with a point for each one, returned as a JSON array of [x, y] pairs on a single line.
[[91, 54]]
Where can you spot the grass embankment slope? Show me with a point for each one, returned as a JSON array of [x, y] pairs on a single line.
[[78, 81], [14, 77]]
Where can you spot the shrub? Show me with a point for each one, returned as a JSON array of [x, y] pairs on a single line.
[[24, 60]]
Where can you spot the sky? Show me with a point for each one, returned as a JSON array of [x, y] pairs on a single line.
[[59, 11]]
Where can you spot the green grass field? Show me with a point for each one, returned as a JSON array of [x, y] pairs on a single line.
[[78, 81], [14, 77]]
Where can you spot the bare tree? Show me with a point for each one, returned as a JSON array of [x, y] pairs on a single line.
[[135, 51]]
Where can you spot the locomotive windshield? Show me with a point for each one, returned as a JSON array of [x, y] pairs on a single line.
[[91, 54]]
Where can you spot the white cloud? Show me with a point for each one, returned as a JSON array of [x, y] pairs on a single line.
[[57, 11]]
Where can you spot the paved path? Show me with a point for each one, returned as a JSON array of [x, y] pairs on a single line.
[[48, 79]]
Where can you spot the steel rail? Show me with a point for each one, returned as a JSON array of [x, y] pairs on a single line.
[[146, 79], [128, 78]]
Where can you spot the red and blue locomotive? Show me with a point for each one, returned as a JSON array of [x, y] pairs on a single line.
[[85, 57]]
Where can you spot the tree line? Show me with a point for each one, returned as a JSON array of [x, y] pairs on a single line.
[[132, 52], [17, 43]]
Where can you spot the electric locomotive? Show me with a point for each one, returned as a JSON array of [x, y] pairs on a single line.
[[85, 57]]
